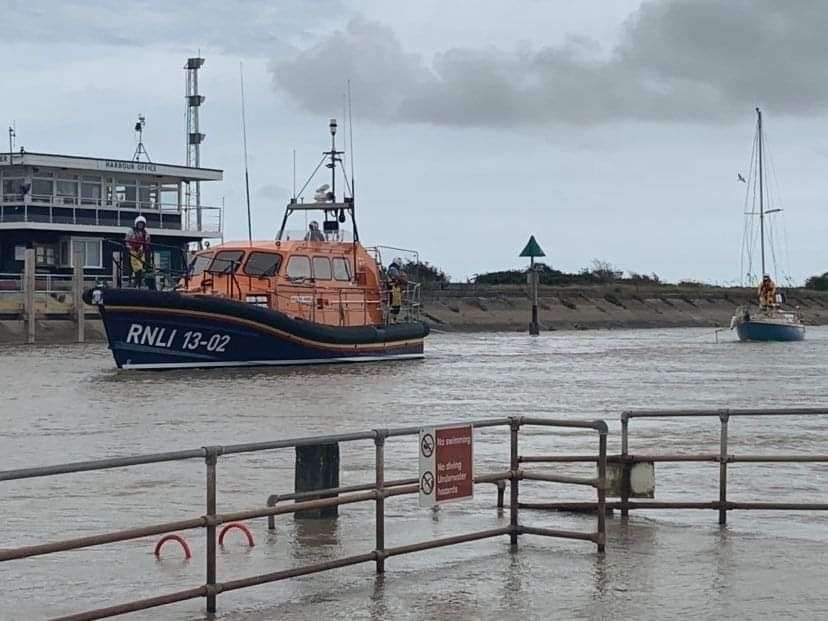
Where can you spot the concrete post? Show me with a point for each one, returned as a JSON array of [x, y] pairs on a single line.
[[29, 294], [317, 467], [77, 296]]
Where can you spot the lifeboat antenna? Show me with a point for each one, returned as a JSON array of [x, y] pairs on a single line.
[[351, 140], [246, 173]]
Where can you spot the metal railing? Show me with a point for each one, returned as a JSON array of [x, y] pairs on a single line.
[[101, 212], [46, 283], [722, 457], [377, 492]]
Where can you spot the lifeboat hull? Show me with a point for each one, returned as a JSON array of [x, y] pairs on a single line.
[[166, 330]]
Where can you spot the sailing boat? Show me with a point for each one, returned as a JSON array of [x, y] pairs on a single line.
[[769, 322]]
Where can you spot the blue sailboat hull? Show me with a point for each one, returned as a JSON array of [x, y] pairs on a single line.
[[768, 331]]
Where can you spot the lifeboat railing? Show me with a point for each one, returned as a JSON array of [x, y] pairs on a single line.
[[410, 308], [163, 279], [307, 300]]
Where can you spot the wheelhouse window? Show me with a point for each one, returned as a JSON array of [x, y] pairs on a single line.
[[200, 263], [299, 266], [262, 264], [226, 261], [341, 269], [321, 268]]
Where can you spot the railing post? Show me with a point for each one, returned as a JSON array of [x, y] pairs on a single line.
[[379, 445], [514, 426], [29, 293], [116, 269], [602, 490], [625, 488], [724, 416], [211, 459]]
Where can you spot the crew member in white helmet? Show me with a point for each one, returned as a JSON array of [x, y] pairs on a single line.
[[138, 244]]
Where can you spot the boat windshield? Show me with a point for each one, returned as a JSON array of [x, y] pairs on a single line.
[[226, 261], [200, 263]]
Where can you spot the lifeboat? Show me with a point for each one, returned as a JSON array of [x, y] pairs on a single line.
[[317, 296]]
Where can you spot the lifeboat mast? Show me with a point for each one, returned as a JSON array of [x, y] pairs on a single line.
[[325, 201]]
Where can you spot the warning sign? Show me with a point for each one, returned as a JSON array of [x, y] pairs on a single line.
[[446, 464]]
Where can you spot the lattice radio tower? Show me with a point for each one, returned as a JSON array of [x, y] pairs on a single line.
[[194, 137]]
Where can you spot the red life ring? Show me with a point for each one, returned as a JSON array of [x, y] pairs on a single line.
[[242, 528], [179, 539]]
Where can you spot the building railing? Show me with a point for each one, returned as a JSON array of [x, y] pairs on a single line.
[[46, 283], [376, 493], [99, 212], [723, 457]]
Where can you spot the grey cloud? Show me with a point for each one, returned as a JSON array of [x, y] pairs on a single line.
[[273, 192], [252, 26], [686, 60]]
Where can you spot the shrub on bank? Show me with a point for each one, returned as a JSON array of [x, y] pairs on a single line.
[[818, 283]]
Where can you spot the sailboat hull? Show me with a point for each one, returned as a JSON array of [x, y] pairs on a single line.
[[769, 331]]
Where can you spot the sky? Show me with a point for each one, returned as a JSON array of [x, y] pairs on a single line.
[[609, 130]]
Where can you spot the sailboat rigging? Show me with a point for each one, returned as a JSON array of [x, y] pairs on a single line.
[[770, 322]]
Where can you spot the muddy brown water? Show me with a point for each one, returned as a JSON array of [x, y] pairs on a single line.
[[67, 403]]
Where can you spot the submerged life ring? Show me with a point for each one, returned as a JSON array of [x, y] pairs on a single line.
[[242, 528], [179, 539]]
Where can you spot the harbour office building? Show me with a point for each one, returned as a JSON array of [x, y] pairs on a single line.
[[61, 205]]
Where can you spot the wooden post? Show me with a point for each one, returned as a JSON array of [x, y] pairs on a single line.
[[29, 294], [116, 269], [77, 296], [533, 250], [534, 329], [317, 467]]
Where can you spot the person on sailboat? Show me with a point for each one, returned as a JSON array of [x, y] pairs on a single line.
[[767, 292]]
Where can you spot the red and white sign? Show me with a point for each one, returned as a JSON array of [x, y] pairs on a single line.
[[446, 464]]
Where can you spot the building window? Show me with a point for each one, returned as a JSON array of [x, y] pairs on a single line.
[[45, 256], [125, 192], [12, 188], [321, 268], [42, 189], [91, 191], [148, 195], [89, 249]]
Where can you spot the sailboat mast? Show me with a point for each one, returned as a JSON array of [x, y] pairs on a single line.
[[761, 190]]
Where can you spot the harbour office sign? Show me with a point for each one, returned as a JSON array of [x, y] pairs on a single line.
[[130, 166]]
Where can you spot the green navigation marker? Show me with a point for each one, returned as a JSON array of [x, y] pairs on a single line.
[[532, 249]]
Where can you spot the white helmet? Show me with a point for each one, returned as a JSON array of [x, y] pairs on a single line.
[[140, 220]]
